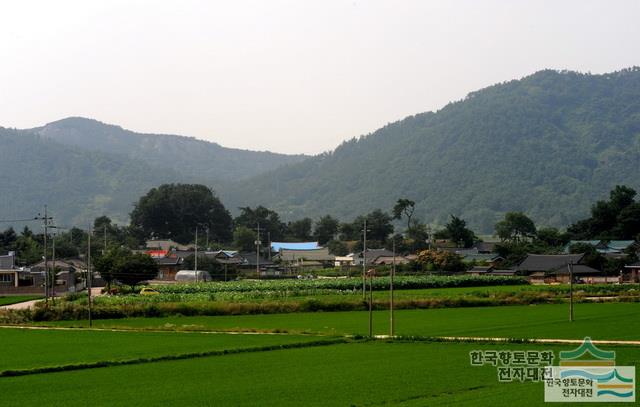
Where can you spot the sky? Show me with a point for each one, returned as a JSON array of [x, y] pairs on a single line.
[[287, 76]]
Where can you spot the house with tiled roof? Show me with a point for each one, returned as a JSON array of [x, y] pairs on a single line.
[[550, 268]]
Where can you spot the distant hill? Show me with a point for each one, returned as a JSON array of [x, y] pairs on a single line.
[[83, 168], [548, 144], [187, 155], [76, 184]]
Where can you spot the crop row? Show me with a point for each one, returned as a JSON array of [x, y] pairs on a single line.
[[340, 284]]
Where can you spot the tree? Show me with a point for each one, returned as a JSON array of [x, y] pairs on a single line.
[[416, 239], [175, 210], [350, 230], [8, 240], [628, 222], [515, 227], [133, 268], [379, 225], [456, 230], [337, 248], [107, 264], [300, 229], [552, 237], [268, 220], [325, 229], [404, 207], [616, 218], [244, 239], [437, 260]]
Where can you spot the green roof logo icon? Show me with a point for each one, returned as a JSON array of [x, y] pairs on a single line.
[[587, 354]]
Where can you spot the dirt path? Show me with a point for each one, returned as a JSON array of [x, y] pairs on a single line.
[[527, 340], [21, 305], [95, 292]]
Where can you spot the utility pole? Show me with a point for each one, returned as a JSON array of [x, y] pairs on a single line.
[[570, 265], [89, 274], [429, 237], [269, 242], [258, 253], [46, 265], [195, 260], [393, 272], [105, 239], [53, 268], [364, 260], [370, 303]]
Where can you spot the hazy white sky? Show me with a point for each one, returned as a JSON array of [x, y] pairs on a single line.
[[287, 76]]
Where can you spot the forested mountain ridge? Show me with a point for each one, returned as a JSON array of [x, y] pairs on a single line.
[[76, 184], [548, 145], [187, 155]]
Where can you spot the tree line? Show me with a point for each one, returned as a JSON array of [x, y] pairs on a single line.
[[174, 211]]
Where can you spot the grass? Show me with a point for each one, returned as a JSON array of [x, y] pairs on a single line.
[[30, 348], [617, 321], [358, 374], [14, 299]]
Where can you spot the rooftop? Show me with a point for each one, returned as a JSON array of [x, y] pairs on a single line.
[[548, 262], [276, 246]]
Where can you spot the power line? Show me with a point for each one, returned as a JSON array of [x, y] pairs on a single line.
[[35, 218]]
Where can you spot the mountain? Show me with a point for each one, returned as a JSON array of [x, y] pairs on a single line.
[[187, 155], [83, 168], [77, 185], [548, 144]]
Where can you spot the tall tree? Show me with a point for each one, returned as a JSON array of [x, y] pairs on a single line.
[[456, 230], [611, 219], [379, 225], [268, 220], [175, 210], [515, 227], [404, 207], [244, 239], [325, 229], [126, 267], [300, 229]]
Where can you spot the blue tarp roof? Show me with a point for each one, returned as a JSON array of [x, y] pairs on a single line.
[[276, 246]]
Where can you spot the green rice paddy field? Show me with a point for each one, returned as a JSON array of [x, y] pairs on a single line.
[[618, 320], [353, 374], [293, 369]]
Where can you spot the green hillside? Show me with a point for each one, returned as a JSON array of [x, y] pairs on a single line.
[[548, 144], [187, 155], [77, 185]]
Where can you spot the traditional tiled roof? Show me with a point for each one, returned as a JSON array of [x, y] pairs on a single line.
[[577, 269], [620, 245], [319, 254], [548, 262]]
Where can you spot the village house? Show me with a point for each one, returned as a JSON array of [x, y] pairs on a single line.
[[371, 256], [548, 268], [67, 274], [9, 273]]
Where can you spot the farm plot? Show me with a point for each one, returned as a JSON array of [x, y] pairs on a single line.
[[357, 374], [613, 321], [33, 348]]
